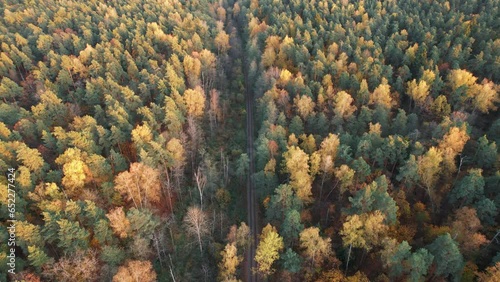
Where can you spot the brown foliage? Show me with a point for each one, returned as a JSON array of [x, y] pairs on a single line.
[[135, 270]]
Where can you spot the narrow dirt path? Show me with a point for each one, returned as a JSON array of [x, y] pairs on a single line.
[[251, 212]]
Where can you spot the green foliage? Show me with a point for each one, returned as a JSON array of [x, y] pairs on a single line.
[[37, 257], [113, 255], [375, 197], [291, 261], [71, 236], [468, 189], [447, 258], [291, 226], [108, 106]]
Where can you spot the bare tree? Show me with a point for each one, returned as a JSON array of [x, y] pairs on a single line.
[[201, 182], [196, 223]]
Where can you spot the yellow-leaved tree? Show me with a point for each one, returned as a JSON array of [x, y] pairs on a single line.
[[297, 164], [270, 245], [141, 184], [195, 101]]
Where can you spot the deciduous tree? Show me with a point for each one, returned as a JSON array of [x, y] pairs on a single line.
[[135, 270], [270, 245]]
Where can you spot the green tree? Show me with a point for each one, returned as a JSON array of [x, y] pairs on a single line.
[[447, 257], [291, 226], [71, 236], [486, 156], [37, 257], [375, 197], [291, 261], [469, 189]]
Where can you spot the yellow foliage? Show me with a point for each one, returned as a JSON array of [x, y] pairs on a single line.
[[74, 175], [195, 101], [459, 78], [285, 75], [271, 243], [382, 95], [229, 263], [304, 104], [175, 148]]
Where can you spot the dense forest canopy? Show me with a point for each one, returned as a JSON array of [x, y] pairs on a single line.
[[374, 155]]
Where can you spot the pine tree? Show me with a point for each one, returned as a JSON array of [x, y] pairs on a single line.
[[447, 257]]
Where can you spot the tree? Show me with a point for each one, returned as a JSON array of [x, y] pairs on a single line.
[[375, 197], [291, 261], [297, 164], [242, 165], [141, 184], [400, 261], [409, 172], [72, 236], [282, 201], [486, 155], [343, 105], [447, 257], [460, 78], [363, 94], [9, 90], [491, 274], [74, 176], [112, 255], [304, 105], [419, 263], [469, 189], [37, 257], [394, 257], [418, 91], [270, 245], [465, 231], [192, 69], [429, 169], [361, 168], [382, 95], [229, 263], [221, 41], [452, 144], [440, 107], [486, 210], [291, 226], [196, 224], [362, 231], [135, 270], [195, 101], [485, 96], [296, 126], [328, 152], [345, 176], [315, 247], [81, 266], [119, 222]]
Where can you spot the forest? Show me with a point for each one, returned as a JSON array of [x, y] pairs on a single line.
[[249, 140]]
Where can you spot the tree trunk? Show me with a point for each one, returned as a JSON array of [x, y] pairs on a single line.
[[348, 257]]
